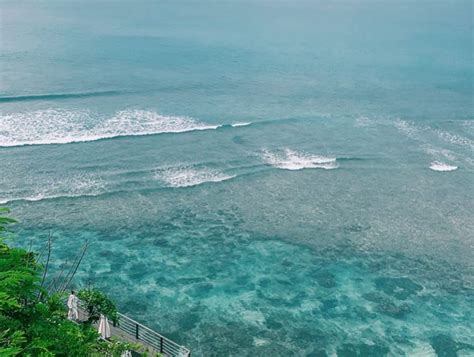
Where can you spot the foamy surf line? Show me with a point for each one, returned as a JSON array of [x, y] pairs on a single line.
[[442, 167], [52, 197], [56, 187], [292, 160], [236, 125], [187, 176], [55, 126]]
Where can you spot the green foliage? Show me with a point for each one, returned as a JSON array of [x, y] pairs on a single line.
[[115, 347], [5, 221], [96, 303], [153, 355], [33, 322]]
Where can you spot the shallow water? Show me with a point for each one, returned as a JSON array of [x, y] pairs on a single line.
[[255, 178]]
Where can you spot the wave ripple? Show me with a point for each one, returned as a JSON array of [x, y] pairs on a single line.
[[56, 96]]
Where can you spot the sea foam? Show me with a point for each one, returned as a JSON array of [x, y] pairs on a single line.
[[57, 126], [235, 125], [288, 159], [189, 176], [441, 166], [56, 187], [455, 139]]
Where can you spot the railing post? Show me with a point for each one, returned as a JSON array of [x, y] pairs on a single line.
[[161, 344], [136, 332]]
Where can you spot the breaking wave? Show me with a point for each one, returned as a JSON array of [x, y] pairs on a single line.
[[241, 124], [73, 186], [288, 159], [56, 126], [189, 176], [441, 166]]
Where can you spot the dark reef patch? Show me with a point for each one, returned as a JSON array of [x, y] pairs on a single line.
[[326, 279], [446, 346], [363, 350], [400, 288]]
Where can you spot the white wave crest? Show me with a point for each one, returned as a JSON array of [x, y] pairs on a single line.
[[56, 126], [235, 125], [292, 160], [441, 166], [189, 176], [74, 186]]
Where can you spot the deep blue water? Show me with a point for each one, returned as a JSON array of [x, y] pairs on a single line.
[[255, 178]]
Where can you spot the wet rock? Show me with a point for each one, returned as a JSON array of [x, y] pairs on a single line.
[[400, 288]]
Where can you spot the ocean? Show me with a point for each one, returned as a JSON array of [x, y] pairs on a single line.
[[255, 178]]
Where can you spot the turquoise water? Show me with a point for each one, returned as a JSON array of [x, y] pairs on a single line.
[[255, 178]]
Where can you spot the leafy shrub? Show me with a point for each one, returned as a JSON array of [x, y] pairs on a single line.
[[96, 303]]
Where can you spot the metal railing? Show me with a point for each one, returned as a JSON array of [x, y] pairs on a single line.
[[152, 338], [136, 332]]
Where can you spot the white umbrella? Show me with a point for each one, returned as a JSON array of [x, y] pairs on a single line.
[[104, 327]]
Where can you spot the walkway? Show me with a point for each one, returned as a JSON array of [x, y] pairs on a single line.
[[129, 330]]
